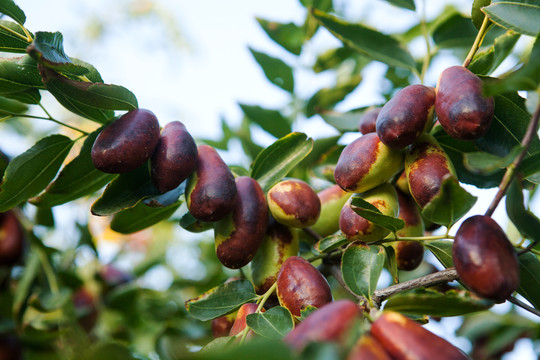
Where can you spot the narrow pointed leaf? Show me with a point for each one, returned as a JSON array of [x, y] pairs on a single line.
[[141, 217], [518, 15], [9, 8], [276, 70], [529, 278], [277, 160], [273, 324], [326, 98], [269, 120], [29, 173], [371, 213], [289, 36], [221, 300], [330, 243], [442, 249], [344, 122], [361, 266], [367, 41], [405, 4]]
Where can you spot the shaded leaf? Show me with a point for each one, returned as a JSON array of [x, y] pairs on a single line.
[[221, 300], [273, 324], [391, 263], [48, 49], [405, 4], [18, 74], [524, 219], [484, 63], [260, 349], [289, 36], [10, 42], [330, 243], [277, 160], [140, 217], [435, 303], [456, 31], [486, 163], [126, 191], [344, 122], [367, 41], [518, 15], [12, 106], [361, 266], [529, 278], [442, 249], [30, 272], [450, 204], [270, 121], [477, 16], [371, 213], [276, 70], [9, 8], [30, 172], [78, 178], [108, 351], [332, 58], [326, 98]]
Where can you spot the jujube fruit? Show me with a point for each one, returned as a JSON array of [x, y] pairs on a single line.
[[127, 143], [405, 339], [356, 227], [10, 348], [332, 200], [368, 121], [211, 189], [240, 321], [366, 163], [406, 116], [11, 239], [85, 306], [330, 323], [239, 235], [300, 284], [280, 242], [367, 348], [484, 258], [174, 158], [294, 203], [461, 108], [222, 325], [426, 165], [409, 254]]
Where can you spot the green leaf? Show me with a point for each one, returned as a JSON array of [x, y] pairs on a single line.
[[477, 16], [18, 74], [391, 263], [435, 303], [405, 4], [518, 15], [371, 213], [258, 348], [361, 266], [270, 121], [124, 192], [30, 272], [12, 106], [48, 49], [9, 42], [221, 300], [191, 224], [276, 70], [30, 172], [289, 36], [273, 324], [508, 127], [527, 77], [450, 203], [530, 168], [442, 249], [321, 148], [91, 100], [456, 31], [108, 351], [486, 163], [529, 278], [77, 179], [330, 243], [326, 98], [367, 41], [486, 62], [9, 8], [332, 58], [524, 219], [140, 217], [277, 160], [344, 122]]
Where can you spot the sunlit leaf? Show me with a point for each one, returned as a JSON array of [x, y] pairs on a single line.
[[269, 120], [276, 70], [486, 62], [326, 98], [371, 213], [361, 266], [405, 4], [518, 15], [289, 36], [141, 217], [273, 324], [442, 249], [330, 243]]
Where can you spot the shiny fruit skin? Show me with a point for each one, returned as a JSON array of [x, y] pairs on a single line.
[[294, 203], [355, 227], [484, 258], [240, 321], [211, 189], [426, 166], [406, 116], [367, 348], [174, 158], [239, 235], [300, 284], [329, 323], [366, 163], [126, 143], [405, 339], [462, 110], [409, 254], [332, 200], [367, 123], [11, 239], [280, 243]]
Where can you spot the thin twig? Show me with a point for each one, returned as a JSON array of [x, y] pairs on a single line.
[[522, 305], [440, 277], [527, 248], [509, 174], [477, 41]]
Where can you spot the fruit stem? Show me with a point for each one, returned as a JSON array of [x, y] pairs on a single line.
[[529, 248], [415, 238], [477, 42], [263, 298], [440, 277], [510, 171], [522, 305]]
